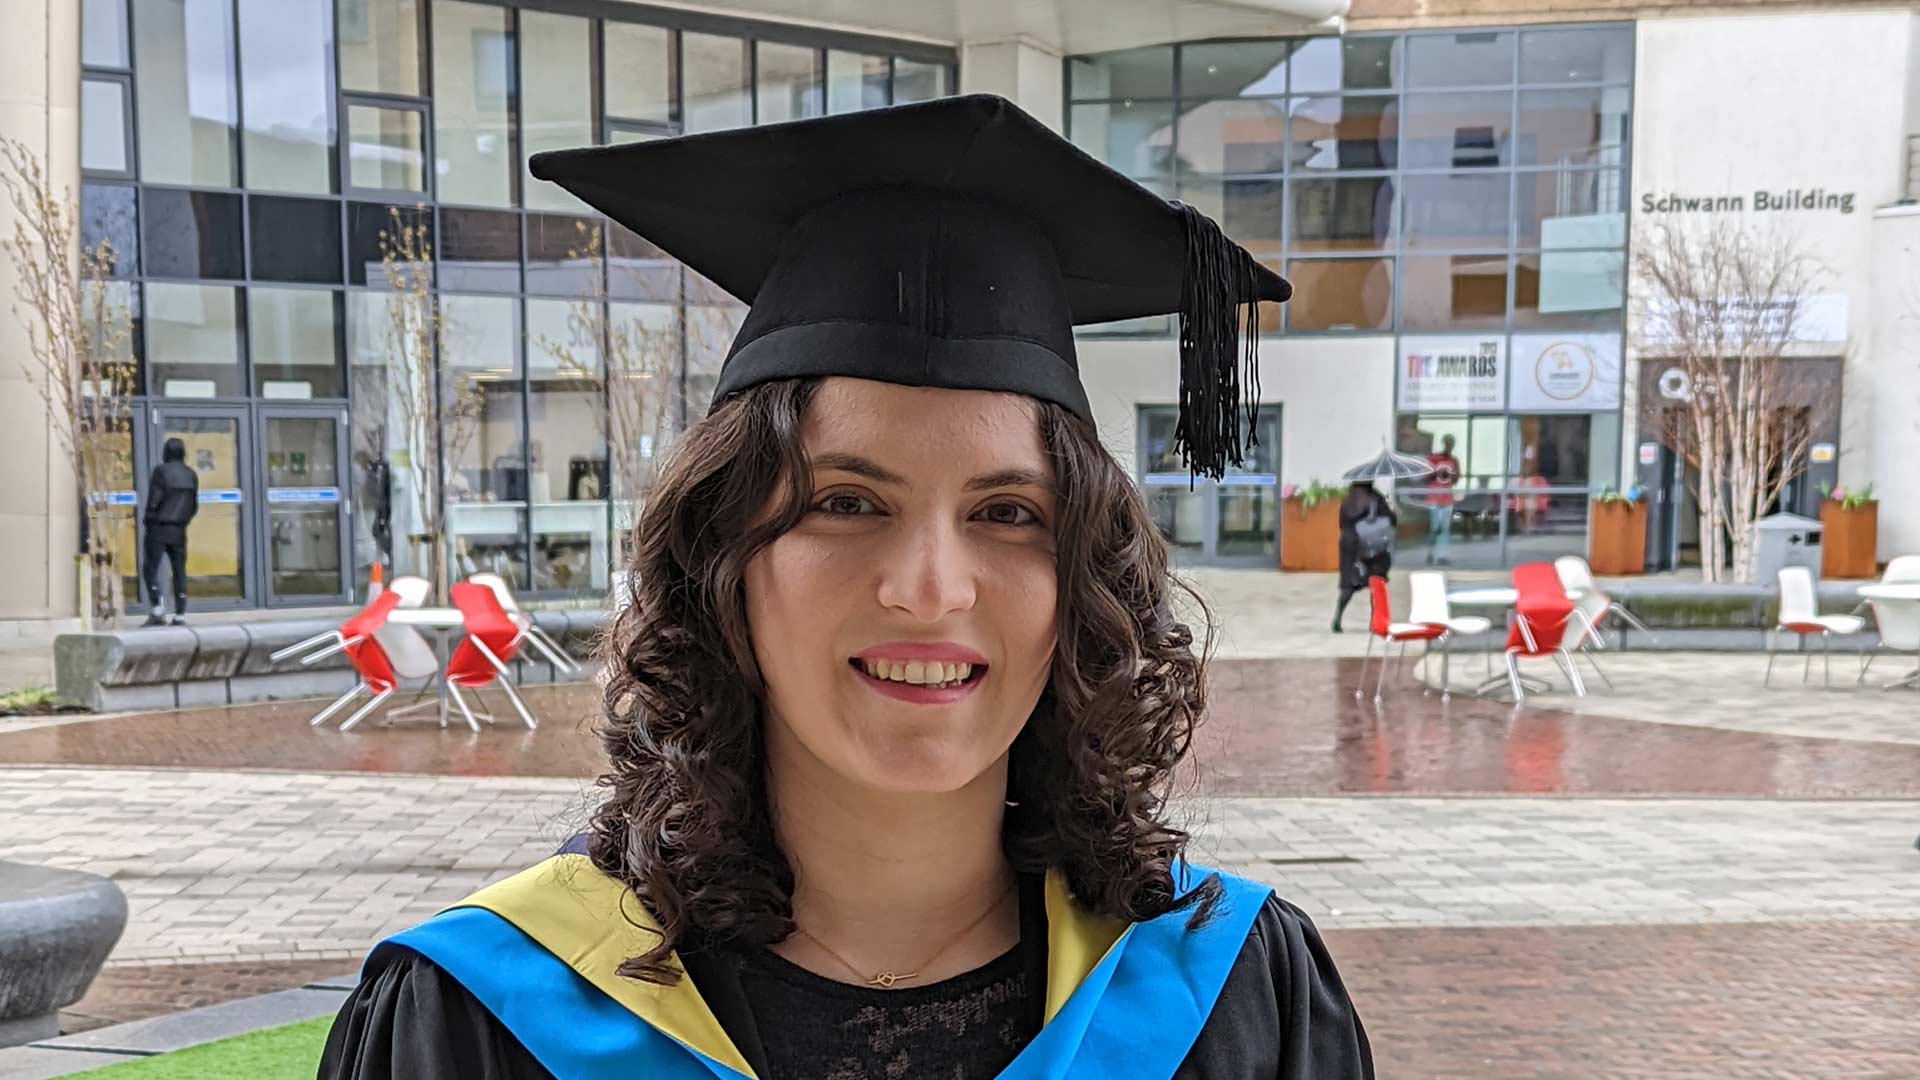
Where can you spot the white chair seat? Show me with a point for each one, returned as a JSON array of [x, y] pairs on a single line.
[[1835, 624], [1408, 629], [1469, 624]]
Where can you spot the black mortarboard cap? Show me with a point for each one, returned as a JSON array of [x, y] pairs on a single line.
[[953, 243]]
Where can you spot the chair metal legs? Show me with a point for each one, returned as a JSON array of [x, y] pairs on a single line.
[[506, 682], [299, 647], [454, 689], [367, 708], [338, 704], [1573, 673]]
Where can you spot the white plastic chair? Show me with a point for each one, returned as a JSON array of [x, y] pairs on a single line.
[[528, 628], [413, 591], [1429, 606], [409, 653], [1576, 575], [1899, 624], [1800, 615]]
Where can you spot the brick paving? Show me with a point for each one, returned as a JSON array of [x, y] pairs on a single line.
[[124, 993]]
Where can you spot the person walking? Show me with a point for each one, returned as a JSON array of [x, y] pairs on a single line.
[[1446, 473], [173, 497], [1367, 526]]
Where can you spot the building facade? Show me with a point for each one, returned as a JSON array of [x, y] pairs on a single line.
[[1455, 192]]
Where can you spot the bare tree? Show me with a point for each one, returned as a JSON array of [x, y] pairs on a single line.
[[435, 426], [79, 354], [1722, 307]]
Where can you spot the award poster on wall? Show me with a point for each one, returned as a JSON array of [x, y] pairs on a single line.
[[1453, 374], [1565, 373]]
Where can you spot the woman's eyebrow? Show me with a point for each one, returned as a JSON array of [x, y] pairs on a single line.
[[1016, 476]]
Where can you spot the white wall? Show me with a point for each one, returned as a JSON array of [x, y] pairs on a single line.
[[1785, 101], [1335, 394], [1894, 378], [39, 515]]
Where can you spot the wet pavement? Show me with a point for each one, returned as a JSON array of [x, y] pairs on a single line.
[[1276, 727]]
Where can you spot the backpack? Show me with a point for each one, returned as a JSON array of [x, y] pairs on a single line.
[[1374, 534]]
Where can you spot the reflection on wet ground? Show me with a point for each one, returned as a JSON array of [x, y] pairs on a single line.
[[1277, 727]]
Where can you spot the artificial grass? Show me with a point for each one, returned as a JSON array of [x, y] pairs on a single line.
[[282, 1053]]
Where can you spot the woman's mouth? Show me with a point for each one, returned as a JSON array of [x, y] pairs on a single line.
[[922, 682]]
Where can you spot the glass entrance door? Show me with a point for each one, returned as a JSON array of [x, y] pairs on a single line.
[[216, 441], [302, 473], [1234, 521]]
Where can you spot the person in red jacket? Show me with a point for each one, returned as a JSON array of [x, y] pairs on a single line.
[[1446, 473]]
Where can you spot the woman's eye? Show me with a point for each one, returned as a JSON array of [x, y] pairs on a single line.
[[841, 505], [1011, 514]]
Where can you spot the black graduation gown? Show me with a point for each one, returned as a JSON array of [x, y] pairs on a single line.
[[1281, 1014]]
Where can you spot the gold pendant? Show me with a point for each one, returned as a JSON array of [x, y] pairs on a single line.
[[886, 979]]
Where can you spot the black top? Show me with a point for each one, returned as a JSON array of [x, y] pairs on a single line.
[[952, 243], [1282, 1015], [173, 497]]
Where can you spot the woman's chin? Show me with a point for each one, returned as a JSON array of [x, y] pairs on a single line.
[[925, 765]]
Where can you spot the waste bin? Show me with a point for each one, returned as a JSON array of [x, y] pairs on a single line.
[[1785, 540]]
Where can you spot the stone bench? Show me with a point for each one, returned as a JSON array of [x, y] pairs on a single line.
[[56, 929], [169, 667]]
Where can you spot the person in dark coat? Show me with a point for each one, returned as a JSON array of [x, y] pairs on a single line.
[[173, 497], [1357, 563]]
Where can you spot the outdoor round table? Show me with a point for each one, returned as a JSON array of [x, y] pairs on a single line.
[[1504, 596], [1907, 591], [440, 621]]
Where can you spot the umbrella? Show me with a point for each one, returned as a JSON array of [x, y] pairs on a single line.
[[1390, 466]]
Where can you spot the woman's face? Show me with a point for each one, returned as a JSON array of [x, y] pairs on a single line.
[[929, 541]]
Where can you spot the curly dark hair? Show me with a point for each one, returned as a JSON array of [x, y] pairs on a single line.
[[686, 823]]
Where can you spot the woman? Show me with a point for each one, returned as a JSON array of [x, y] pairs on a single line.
[[898, 693], [1366, 550]]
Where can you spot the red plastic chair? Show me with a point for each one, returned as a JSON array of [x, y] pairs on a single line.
[[356, 638], [491, 642], [1542, 617], [1384, 628]]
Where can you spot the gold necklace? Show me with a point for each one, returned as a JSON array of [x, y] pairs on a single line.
[[887, 980]]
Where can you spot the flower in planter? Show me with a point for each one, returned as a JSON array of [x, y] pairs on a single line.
[[1848, 500], [1288, 492]]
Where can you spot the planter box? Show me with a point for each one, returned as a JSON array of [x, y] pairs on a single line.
[[1617, 537], [1310, 539], [1848, 540]]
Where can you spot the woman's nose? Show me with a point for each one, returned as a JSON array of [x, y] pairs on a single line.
[[929, 573]]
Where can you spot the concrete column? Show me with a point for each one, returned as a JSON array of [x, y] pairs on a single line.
[[1022, 70], [39, 515]]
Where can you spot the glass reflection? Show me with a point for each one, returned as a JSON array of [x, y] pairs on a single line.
[[286, 72]]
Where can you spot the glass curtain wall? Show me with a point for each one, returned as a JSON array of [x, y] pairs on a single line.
[[251, 161], [1465, 192]]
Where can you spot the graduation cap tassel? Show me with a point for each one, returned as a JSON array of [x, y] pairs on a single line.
[[1219, 353]]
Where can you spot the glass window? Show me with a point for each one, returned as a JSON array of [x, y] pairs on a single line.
[[1468, 58], [103, 126], [1556, 290], [715, 83], [1479, 443], [1460, 210], [380, 46], [1574, 127], [1340, 294], [1456, 131], [193, 234], [787, 83], [917, 81], [483, 438], [185, 92], [192, 341], [295, 239], [107, 217], [286, 79], [1453, 292], [1584, 55], [393, 452], [1233, 137], [367, 225], [480, 250], [1564, 208], [1135, 138], [855, 82], [1131, 73], [472, 87], [1543, 527], [559, 259], [1351, 214], [1248, 211], [1235, 69], [639, 73], [119, 309], [567, 477], [1554, 448], [293, 340], [556, 102], [1345, 132], [103, 33], [386, 148], [639, 270], [1327, 64]]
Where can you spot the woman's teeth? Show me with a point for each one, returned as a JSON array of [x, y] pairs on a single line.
[[919, 672]]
